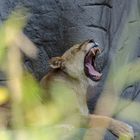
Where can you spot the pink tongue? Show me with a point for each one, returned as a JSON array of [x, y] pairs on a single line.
[[92, 71]]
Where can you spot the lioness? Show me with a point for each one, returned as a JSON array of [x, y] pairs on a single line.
[[74, 68]]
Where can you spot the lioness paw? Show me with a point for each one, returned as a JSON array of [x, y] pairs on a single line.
[[121, 129]]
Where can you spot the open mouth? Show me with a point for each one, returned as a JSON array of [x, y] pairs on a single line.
[[90, 66]]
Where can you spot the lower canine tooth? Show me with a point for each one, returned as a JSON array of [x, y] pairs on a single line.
[[99, 50]]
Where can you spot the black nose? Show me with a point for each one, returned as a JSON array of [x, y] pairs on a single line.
[[96, 44], [91, 41]]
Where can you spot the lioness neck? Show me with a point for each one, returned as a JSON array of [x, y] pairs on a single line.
[[78, 85]]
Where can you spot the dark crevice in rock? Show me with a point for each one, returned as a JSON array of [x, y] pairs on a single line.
[[126, 94], [133, 21], [98, 4], [3, 80], [42, 12], [98, 27]]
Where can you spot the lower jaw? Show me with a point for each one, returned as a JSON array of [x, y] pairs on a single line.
[[94, 79]]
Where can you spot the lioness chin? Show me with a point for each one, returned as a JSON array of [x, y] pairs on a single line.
[[74, 68]]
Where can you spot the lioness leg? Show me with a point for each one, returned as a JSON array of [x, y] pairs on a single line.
[[118, 128]]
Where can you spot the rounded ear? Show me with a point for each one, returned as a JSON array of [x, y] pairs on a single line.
[[57, 62]]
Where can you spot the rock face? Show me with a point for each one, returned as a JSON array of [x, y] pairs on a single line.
[[55, 25]]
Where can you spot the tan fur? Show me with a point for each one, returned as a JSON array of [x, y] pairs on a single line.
[[69, 69]]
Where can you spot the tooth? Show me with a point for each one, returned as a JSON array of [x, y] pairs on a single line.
[[99, 50], [93, 51]]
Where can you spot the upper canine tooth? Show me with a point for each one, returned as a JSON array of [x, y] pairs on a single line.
[[93, 51]]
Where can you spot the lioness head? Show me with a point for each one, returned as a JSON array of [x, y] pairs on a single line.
[[79, 60]]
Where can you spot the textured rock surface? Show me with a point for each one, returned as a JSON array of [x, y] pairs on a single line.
[[55, 25]]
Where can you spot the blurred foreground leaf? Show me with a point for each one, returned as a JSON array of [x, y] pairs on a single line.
[[5, 135], [127, 75], [4, 95], [125, 137]]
